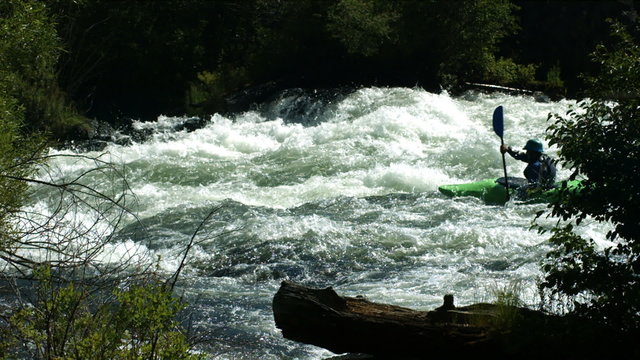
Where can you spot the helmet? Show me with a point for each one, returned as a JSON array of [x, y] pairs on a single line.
[[534, 145]]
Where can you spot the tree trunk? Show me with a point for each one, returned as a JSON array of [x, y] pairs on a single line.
[[355, 325]]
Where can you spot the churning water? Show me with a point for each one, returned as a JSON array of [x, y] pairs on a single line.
[[329, 190]]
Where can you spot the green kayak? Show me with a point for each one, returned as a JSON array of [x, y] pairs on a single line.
[[492, 191]]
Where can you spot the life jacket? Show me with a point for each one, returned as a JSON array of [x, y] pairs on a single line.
[[547, 172], [541, 173]]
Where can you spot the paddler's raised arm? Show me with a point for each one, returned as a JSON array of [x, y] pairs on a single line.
[[518, 155]]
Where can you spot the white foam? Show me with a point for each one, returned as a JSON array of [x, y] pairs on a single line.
[[380, 141]]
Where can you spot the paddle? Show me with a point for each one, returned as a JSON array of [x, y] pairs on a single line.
[[498, 128]]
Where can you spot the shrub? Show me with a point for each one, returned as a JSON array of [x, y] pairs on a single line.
[[71, 321], [599, 141]]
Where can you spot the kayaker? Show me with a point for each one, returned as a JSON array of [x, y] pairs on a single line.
[[541, 170]]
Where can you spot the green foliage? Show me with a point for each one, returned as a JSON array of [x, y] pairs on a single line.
[[117, 59], [362, 26], [146, 317], [469, 33], [141, 58], [508, 302], [29, 45], [78, 318], [507, 72], [18, 154], [554, 79], [619, 68], [71, 321], [290, 38], [562, 33], [11, 191], [29, 51], [206, 94], [599, 140]]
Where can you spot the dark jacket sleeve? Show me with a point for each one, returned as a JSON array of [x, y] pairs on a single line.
[[518, 155]]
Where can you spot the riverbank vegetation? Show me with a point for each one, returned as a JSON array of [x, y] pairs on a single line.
[[598, 140], [62, 298], [63, 62], [117, 60]]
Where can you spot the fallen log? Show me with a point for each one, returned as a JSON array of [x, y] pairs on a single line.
[[355, 325]]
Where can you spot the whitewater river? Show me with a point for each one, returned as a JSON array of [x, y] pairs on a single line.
[[329, 190]]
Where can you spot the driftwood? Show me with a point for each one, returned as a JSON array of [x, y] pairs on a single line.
[[355, 325]]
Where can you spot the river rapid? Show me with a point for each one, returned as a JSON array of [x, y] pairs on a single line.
[[328, 189]]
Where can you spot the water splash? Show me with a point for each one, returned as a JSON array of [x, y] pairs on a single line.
[[332, 189]]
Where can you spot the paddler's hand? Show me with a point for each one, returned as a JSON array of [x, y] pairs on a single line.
[[504, 148]]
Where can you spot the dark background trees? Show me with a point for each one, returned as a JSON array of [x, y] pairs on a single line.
[[137, 59], [563, 34]]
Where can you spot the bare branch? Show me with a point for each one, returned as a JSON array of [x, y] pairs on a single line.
[[189, 246]]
